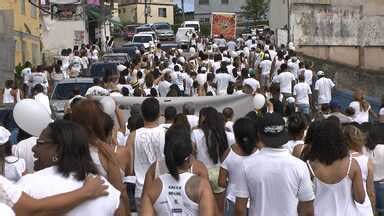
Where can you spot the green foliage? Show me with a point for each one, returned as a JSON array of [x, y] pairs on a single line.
[[255, 9], [205, 29], [18, 69]]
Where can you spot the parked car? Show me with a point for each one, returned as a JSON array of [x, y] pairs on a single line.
[[98, 69], [145, 38], [143, 28], [63, 91], [168, 46], [193, 24], [164, 31], [119, 58], [139, 46], [130, 50], [128, 32]]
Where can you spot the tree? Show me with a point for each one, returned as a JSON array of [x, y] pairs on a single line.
[[255, 9]]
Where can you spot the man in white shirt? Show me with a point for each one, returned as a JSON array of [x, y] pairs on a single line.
[[323, 89], [286, 79], [302, 92], [189, 112], [26, 74], [308, 74], [146, 145], [75, 64], [42, 98], [222, 79], [231, 45], [293, 66], [281, 184], [165, 84], [251, 81], [265, 68]]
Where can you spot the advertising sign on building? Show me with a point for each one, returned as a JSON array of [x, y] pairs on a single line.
[[223, 24], [66, 11], [78, 38]]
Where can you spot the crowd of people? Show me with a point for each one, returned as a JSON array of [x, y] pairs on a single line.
[[300, 154]]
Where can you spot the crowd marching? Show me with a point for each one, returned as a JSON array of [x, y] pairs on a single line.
[[300, 154]]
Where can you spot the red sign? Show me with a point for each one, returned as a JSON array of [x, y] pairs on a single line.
[[223, 24]]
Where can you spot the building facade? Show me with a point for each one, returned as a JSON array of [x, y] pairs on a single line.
[[278, 14], [26, 30], [204, 8], [133, 11]]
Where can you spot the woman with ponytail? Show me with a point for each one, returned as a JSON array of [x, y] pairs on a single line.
[[360, 106], [211, 141], [178, 191], [246, 140]]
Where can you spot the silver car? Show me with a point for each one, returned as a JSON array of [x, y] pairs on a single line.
[[64, 91], [164, 31]]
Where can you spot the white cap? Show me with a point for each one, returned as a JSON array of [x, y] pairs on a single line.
[[192, 50], [214, 46], [225, 52], [320, 73], [137, 52], [203, 69], [4, 135], [254, 37], [182, 59], [291, 100], [381, 112], [121, 67]]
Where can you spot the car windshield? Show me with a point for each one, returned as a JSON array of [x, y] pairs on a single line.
[[117, 59], [131, 50], [195, 26], [63, 91], [142, 39], [162, 27], [98, 70], [138, 30]]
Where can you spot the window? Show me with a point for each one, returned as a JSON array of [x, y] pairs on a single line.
[[33, 9], [162, 12], [22, 6], [204, 2], [224, 1]]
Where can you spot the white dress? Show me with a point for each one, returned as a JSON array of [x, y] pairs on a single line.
[[14, 168], [334, 199]]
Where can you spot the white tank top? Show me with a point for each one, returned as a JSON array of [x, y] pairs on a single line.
[[149, 147], [7, 97], [173, 199], [334, 199], [366, 207]]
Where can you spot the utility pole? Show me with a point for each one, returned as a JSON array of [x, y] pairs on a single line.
[[146, 11], [182, 8]]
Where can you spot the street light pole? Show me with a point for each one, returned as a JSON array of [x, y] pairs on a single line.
[[182, 7], [146, 11]]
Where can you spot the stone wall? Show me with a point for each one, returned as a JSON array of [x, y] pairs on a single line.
[[7, 46]]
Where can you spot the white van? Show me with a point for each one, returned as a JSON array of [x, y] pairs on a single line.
[[193, 24], [184, 34]]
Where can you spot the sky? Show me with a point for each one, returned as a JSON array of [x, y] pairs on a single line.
[[188, 4]]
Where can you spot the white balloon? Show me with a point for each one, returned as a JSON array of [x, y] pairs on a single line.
[[109, 105], [258, 101], [31, 116]]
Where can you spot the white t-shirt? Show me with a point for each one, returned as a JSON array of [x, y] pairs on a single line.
[[193, 120], [149, 147], [26, 73], [229, 126], [324, 86], [6, 210], [43, 100], [201, 78], [76, 63], [23, 149], [222, 80], [202, 155], [14, 168], [294, 67], [49, 182], [277, 185], [278, 63], [39, 78], [9, 192], [360, 115], [179, 80], [231, 45], [164, 88], [285, 79], [290, 145], [97, 91], [216, 66], [84, 62], [308, 75], [302, 91], [252, 82], [265, 66]]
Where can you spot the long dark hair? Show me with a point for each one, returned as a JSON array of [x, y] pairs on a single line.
[[328, 144], [177, 148], [214, 131], [72, 149], [5, 150], [245, 134]]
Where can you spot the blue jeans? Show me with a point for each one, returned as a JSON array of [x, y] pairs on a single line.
[[304, 108], [379, 189]]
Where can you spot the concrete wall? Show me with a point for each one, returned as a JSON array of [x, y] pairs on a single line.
[[349, 32], [7, 46], [278, 14]]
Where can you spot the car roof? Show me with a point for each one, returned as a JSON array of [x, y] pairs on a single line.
[[143, 34], [186, 28], [132, 44], [191, 22], [77, 80], [115, 54]]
